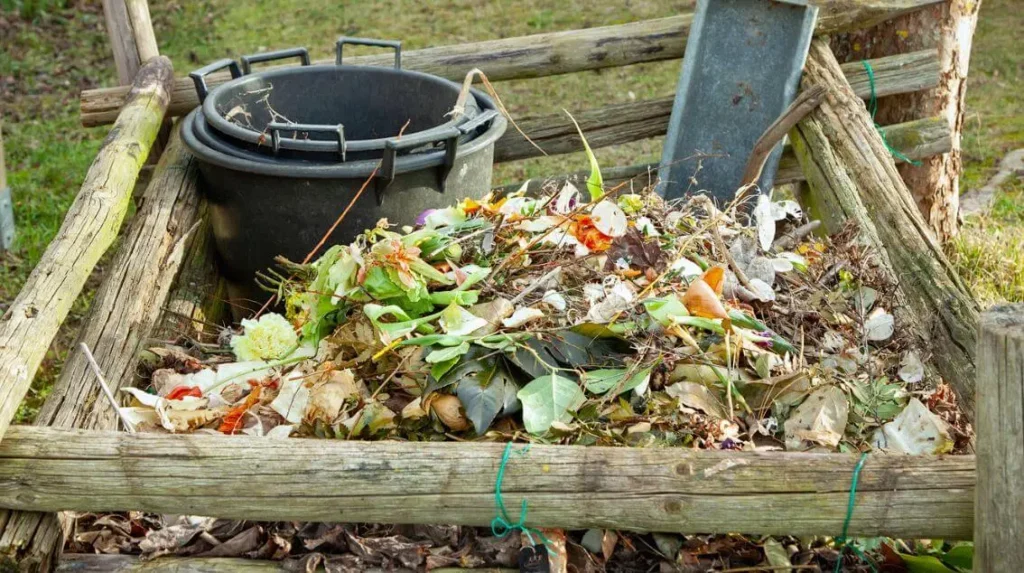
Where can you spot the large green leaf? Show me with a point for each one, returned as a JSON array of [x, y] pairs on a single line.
[[487, 393], [547, 400], [924, 564], [605, 380], [569, 351], [961, 556]]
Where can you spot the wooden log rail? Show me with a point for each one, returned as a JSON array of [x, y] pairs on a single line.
[[913, 139], [91, 225], [622, 123], [573, 487], [540, 54]]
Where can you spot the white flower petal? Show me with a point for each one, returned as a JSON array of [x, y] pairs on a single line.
[[521, 316], [609, 219], [554, 300], [686, 268], [645, 226], [566, 200]]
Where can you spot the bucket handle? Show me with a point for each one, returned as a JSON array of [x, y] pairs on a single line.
[[276, 128], [393, 44], [199, 76], [449, 140], [247, 61]]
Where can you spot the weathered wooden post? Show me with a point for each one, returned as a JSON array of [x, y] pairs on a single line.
[[999, 428], [852, 177], [133, 41], [91, 225]]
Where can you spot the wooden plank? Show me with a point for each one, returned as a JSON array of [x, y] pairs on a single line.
[[122, 42], [573, 487], [540, 54], [1000, 441], [852, 177], [90, 227], [634, 121], [914, 139]]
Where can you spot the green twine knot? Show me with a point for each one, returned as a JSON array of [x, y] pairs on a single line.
[[873, 107], [842, 540], [502, 524]]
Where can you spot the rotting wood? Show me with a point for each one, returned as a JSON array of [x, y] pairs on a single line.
[[1000, 433], [852, 177], [540, 54], [914, 139], [91, 225], [573, 487], [634, 121], [121, 317], [197, 300], [949, 27]]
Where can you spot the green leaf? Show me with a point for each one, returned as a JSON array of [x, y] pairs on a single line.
[[486, 394], [595, 183], [569, 350], [779, 344], [605, 380], [462, 298], [379, 284], [665, 310], [712, 325], [439, 369], [960, 556], [923, 564], [447, 353], [547, 400]]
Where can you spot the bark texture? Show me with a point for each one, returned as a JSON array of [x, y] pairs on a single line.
[[852, 177], [947, 27]]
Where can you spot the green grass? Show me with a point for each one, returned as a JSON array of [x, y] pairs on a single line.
[[50, 53]]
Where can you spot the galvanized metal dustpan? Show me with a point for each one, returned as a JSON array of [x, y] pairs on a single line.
[[741, 70]]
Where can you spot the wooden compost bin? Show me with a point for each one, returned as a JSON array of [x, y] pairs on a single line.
[[71, 460]]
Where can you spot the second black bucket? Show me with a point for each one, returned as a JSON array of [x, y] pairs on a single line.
[[262, 210]]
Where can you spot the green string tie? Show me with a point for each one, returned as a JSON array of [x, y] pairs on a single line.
[[873, 107], [502, 524], [842, 540]]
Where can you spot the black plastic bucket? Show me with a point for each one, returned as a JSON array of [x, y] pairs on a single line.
[[316, 112], [260, 210]]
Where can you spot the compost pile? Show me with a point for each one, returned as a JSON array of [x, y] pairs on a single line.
[[574, 318]]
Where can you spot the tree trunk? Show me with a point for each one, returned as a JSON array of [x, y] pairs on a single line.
[[949, 28], [852, 177]]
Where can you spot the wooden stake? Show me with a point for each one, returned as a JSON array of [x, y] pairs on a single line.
[[999, 505], [852, 177], [91, 225]]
